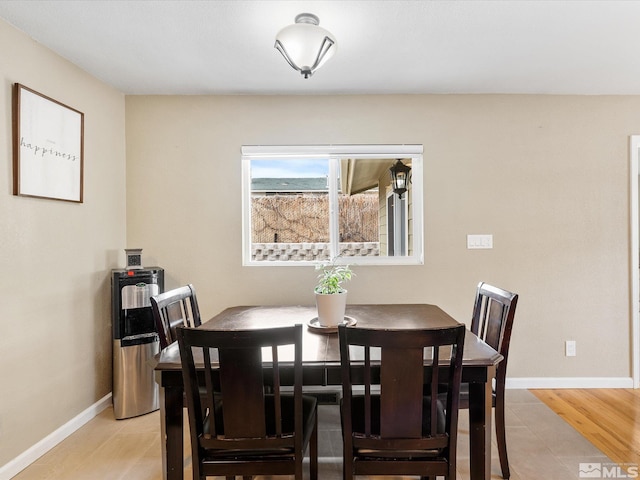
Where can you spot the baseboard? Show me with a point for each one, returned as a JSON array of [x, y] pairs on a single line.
[[570, 382], [26, 458]]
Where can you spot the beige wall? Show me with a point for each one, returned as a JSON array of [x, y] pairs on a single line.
[[546, 175], [55, 257]]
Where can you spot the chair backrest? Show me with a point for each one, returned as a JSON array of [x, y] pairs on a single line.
[[399, 363], [238, 414], [492, 321], [172, 309]]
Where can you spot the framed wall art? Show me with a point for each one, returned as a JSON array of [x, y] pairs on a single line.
[[48, 145]]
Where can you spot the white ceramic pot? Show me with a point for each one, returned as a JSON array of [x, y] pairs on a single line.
[[331, 308]]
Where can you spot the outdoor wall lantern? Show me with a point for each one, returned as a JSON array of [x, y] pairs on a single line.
[[305, 45], [400, 177]]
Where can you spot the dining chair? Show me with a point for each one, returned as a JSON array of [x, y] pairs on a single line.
[[174, 308], [390, 427], [493, 313], [243, 428]]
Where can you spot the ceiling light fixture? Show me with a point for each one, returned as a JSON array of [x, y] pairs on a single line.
[[305, 45], [400, 177]]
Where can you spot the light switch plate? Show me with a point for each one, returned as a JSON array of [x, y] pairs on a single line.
[[570, 348], [479, 241]]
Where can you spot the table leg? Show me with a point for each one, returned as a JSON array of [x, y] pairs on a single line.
[[171, 433], [480, 427]]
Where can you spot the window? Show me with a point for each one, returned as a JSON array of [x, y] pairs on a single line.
[[305, 204]]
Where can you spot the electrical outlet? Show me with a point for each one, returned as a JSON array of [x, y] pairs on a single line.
[[570, 348]]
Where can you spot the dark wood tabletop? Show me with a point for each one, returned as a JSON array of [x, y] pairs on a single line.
[[322, 349]]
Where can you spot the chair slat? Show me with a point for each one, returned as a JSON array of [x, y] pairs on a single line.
[[241, 377], [276, 391], [367, 390], [401, 379]]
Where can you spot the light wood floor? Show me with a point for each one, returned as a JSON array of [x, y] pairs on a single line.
[[610, 419], [541, 444]]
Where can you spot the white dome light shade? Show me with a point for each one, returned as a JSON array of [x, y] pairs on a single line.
[[305, 45]]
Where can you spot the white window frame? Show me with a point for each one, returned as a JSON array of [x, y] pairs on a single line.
[[334, 153]]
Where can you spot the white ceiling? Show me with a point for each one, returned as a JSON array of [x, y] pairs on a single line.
[[393, 46]]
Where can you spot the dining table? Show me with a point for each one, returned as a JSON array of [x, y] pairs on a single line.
[[321, 367]]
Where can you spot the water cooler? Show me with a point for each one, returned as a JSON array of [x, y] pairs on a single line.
[[135, 340]]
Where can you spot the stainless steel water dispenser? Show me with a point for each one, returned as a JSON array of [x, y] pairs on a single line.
[[135, 340]]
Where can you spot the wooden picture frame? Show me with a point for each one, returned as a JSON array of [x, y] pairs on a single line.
[[48, 147]]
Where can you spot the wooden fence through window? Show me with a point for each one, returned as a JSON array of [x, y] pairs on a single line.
[[305, 218]]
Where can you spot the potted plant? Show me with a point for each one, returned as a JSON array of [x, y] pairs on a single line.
[[331, 297]]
